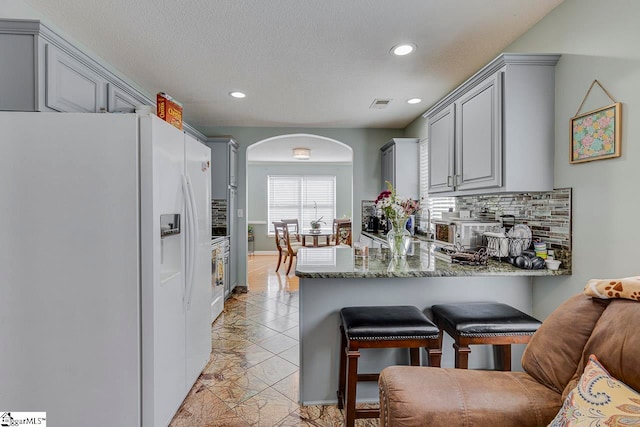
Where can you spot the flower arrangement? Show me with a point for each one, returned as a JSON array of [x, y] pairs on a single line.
[[396, 209]]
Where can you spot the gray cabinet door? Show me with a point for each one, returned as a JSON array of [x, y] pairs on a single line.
[[441, 150], [233, 164], [219, 169], [388, 167], [71, 86], [18, 72], [119, 101], [478, 136]]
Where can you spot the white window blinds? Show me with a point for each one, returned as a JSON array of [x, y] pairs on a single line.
[[436, 205], [305, 198]]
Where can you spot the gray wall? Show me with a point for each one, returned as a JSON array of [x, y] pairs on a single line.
[[365, 144], [597, 41], [257, 193]]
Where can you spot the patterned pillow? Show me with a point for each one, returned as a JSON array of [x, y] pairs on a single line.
[[628, 288], [599, 400]]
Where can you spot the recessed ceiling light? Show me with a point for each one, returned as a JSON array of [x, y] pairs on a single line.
[[414, 101], [237, 94], [403, 49]]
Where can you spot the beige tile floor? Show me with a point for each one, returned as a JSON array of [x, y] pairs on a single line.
[[252, 376]]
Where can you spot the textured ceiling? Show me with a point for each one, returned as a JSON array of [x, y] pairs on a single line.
[[307, 63]]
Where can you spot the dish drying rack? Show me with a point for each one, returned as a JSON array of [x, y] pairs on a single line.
[[459, 255], [504, 246]]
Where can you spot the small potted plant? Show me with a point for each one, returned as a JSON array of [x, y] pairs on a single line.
[[315, 224]]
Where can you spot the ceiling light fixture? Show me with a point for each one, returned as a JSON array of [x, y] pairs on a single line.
[[414, 101], [237, 94], [403, 49], [301, 153]]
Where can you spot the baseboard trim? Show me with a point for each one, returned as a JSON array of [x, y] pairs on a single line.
[[264, 253]]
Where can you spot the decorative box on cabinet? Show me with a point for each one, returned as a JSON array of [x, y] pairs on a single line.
[[495, 132], [400, 166]]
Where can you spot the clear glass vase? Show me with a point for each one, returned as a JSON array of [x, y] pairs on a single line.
[[399, 238]]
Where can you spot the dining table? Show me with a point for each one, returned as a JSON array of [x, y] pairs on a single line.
[[315, 234]]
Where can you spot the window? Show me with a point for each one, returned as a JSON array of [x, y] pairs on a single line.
[[436, 205], [303, 197]]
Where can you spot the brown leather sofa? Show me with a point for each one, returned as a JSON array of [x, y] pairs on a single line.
[[553, 362]]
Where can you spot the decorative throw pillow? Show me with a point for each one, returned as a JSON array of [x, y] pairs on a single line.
[[628, 288], [599, 400]]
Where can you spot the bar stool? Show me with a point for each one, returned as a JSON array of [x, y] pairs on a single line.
[[380, 327], [484, 323]]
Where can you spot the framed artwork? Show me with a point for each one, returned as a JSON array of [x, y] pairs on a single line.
[[595, 135]]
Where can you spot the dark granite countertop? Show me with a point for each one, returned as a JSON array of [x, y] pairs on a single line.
[[383, 237], [340, 262]]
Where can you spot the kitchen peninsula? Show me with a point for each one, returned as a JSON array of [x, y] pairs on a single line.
[[332, 278]]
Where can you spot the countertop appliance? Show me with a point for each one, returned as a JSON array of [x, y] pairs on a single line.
[[462, 232], [105, 278], [219, 249]]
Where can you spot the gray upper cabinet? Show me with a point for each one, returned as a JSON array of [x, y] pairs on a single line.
[[400, 163], [495, 132], [388, 170], [224, 165], [120, 101], [17, 76], [42, 71], [71, 86], [478, 137], [233, 164], [441, 147]]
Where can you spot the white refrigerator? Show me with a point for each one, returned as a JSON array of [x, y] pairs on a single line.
[[105, 277]]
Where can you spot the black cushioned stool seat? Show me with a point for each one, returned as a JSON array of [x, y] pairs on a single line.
[[484, 323], [380, 327]]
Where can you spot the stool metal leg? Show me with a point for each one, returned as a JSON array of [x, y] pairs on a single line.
[[502, 357], [350, 392]]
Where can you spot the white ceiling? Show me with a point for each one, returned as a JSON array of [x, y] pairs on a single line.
[[302, 63]]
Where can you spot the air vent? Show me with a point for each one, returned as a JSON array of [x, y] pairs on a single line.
[[379, 104]]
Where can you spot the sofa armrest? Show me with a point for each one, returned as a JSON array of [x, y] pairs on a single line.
[[424, 396]]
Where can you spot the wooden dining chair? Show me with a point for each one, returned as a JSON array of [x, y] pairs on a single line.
[[283, 244], [293, 227], [341, 232]]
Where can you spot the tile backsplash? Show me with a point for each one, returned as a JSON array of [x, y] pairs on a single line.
[[219, 217], [548, 214]]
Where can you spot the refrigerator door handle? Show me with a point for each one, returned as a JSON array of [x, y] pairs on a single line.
[[188, 239], [195, 235]]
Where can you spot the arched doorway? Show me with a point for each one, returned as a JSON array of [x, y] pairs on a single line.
[[274, 156]]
